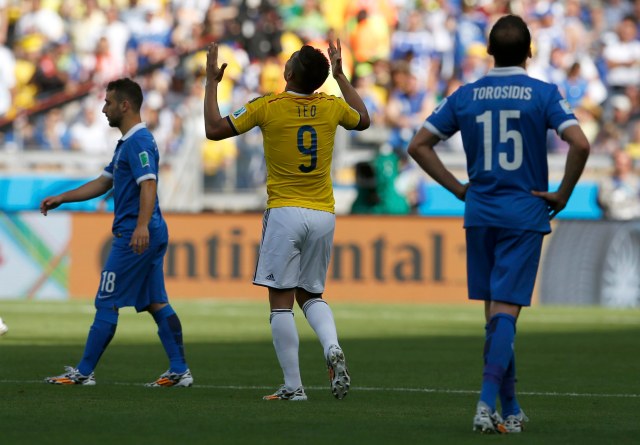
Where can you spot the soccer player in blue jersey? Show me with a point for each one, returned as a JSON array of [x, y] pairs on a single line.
[[133, 274], [299, 127], [503, 119]]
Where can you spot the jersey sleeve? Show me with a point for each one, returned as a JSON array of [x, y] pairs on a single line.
[[142, 162], [559, 113], [249, 115], [443, 122], [350, 117], [108, 170]]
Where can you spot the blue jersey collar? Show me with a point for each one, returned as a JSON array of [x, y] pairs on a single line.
[[507, 71], [133, 129]]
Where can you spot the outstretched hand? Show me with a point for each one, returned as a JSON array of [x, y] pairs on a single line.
[[335, 56], [213, 71], [555, 201]]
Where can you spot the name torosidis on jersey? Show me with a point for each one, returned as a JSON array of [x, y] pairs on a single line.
[[502, 92]]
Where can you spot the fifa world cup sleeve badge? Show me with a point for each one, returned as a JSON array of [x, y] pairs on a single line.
[[144, 159]]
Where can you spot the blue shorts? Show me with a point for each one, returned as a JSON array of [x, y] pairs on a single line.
[[129, 279], [502, 264]]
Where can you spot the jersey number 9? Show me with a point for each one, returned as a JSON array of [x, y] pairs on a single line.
[[308, 150]]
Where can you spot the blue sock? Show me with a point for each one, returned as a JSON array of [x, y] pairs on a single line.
[[508, 399], [100, 334], [498, 351], [170, 333]]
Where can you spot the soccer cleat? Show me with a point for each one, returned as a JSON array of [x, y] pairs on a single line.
[[3, 327], [173, 379], [72, 377], [338, 372], [515, 422], [486, 422], [284, 394]]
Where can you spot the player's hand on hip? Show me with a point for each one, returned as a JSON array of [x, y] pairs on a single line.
[[555, 202], [140, 239], [335, 56], [214, 72], [49, 203]]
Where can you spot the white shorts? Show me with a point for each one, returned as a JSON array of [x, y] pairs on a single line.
[[295, 249]]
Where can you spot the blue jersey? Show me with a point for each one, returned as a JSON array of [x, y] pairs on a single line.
[[135, 160], [503, 119]]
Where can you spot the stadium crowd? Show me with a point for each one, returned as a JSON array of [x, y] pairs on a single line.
[[403, 57]]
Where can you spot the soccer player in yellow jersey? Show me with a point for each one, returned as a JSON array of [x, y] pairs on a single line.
[[298, 128]]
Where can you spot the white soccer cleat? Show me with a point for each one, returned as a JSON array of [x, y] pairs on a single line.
[[3, 327], [169, 379], [338, 372], [72, 377], [487, 422], [515, 422], [298, 395]]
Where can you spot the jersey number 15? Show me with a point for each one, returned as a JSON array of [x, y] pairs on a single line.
[[486, 119]]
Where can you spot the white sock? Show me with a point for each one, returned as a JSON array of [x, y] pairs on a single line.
[[286, 343], [320, 317]]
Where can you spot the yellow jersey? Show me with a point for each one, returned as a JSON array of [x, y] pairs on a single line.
[[298, 132]]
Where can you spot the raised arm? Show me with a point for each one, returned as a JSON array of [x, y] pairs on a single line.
[[215, 126], [349, 93], [90, 190]]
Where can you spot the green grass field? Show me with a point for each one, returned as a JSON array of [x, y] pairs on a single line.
[[415, 369]]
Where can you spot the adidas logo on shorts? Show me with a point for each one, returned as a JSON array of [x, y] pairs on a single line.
[[270, 277]]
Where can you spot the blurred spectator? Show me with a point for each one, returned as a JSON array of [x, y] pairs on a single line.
[[370, 37], [633, 147], [622, 55], [150, 42], [88, 134], [619, 193], [574, 87], [374, 96], [52, 131], [310, 23], [376, 187], [409, 104], [48, 78], [621, 108], [117, 34], [34, 18], [414, 43], [7, 77]]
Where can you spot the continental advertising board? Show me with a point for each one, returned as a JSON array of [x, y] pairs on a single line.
[[375, 259]]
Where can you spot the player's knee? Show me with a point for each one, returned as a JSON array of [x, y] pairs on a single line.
[[155, 307], [109, 315], [303, 296]]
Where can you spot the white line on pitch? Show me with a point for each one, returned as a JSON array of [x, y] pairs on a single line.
[[379, 389]]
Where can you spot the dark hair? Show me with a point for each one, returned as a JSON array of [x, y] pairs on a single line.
[[509, 41], [127, 89], [311, 69]]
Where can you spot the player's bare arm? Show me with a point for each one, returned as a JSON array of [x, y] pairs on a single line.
[[216, 127], [579, 149], [140, 237], [90, 190], [422, 151], [349, 93]]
